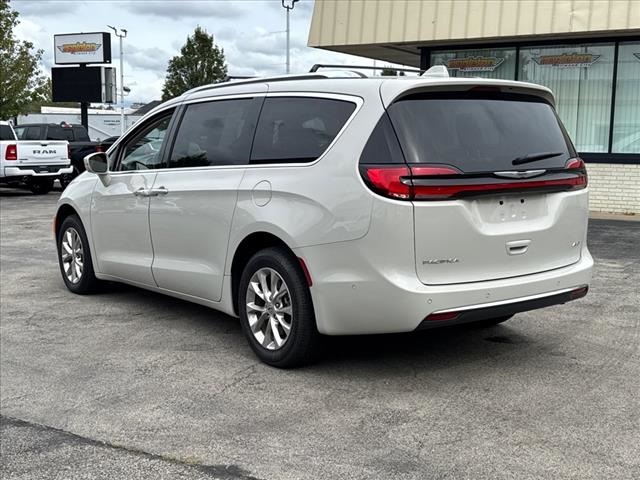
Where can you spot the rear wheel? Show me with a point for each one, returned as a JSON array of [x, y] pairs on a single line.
[[41, 186], [276, 311], [68, 177], [74, 257]]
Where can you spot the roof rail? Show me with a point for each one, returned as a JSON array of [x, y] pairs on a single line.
[[281, 78], [317, 66]]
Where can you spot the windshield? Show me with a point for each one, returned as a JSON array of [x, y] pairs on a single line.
[[479, 133]]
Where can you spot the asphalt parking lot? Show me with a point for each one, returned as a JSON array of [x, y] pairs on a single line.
[[131, 384]]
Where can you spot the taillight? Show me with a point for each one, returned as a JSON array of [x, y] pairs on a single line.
[[99, 148], [12, 152], [389, 182], [577, 165], [444, 182]]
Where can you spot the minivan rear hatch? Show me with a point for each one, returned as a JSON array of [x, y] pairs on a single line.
[[494, 181]]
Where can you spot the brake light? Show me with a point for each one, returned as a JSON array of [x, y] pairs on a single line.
[[389, 181], [99, 148], [12, 152], [444, 182]]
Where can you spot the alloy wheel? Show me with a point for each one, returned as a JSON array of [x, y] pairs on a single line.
[[72, 255], [269, 309]]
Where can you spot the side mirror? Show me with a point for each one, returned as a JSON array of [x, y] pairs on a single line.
[[99, 164], [96, 163]]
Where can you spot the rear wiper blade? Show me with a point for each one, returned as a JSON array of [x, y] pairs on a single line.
[[534, 157]]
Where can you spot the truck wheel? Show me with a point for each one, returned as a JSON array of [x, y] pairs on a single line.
[[41, 186], [66, 179]]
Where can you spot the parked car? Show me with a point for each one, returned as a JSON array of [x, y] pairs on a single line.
[[80, 145], [31, 164], [308, 205]]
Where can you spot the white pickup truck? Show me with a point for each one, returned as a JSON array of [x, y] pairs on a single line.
[[34, 164]]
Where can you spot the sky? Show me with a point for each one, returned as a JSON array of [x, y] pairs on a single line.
[[251, 32]]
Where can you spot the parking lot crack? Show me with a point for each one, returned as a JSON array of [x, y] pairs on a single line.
[[217, 472]]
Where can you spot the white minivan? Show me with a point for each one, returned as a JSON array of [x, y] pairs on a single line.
[[312, 205]]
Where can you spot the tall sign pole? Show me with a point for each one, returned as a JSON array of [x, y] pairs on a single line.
[[81, 83], [288, 5], [121, 34]]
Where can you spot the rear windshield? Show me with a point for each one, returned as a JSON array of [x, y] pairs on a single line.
[[479, 133], [6, 133]]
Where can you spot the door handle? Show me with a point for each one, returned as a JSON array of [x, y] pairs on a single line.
[[160, 190], [145, 192]]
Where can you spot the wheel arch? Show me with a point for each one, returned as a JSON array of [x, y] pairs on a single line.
[[65, 210], [250, 245]]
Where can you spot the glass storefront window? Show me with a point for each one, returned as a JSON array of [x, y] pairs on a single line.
[[486, 63], [626, 122], [581, 77]]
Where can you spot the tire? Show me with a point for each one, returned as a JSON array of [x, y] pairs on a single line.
[[292, 305], [66, 179], [74, 256], [41, 186], [490, 322]]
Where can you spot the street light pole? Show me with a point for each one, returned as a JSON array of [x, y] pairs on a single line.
[[121, 33], [288, 6]]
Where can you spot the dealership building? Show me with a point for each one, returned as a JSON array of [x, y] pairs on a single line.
[[586, 51]]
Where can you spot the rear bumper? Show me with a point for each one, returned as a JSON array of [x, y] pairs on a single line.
[[474, 313], [354, 293], [37, 170]]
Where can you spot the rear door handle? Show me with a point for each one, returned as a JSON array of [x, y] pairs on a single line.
[[145, 192], [160, 190]]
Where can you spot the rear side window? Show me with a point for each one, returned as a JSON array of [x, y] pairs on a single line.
[[298, 129], [80, 135], [382, 146], [479, 133], [54, 132], [32, 133], [6, 133], [215, 133]]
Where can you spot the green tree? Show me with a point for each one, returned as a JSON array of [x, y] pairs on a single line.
[[390, 72], [21, 81], [200, 62]]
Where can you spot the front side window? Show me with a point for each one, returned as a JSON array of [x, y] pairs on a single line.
[[298, 129], [215, 133], [142, 152]]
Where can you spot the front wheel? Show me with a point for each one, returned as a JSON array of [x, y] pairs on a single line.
[[74, 257], [41, 186], [276, 310]]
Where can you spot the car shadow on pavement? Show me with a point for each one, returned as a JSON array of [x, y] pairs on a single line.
[[450, 346]]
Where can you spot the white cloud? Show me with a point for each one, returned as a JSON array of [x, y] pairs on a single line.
[[251, 32]]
